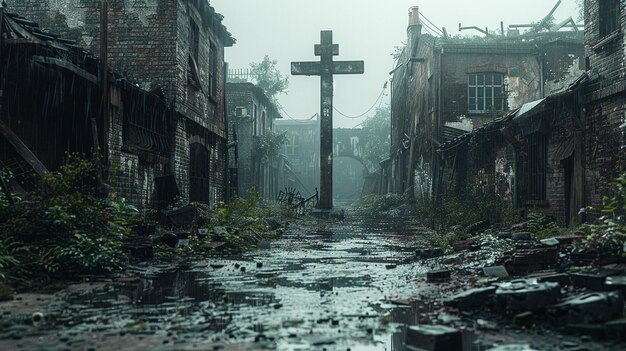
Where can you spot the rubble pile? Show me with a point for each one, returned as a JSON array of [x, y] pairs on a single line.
[[513, 282]]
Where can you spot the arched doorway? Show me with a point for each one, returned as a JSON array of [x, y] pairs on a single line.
[[348, 179], [199, 173]]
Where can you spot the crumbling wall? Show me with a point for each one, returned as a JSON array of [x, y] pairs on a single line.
[[131, 177], [564, 62], [141, 35], [522, 79], [149, 45], [202, 104], [605, 105], [605, 158], [245, 142]]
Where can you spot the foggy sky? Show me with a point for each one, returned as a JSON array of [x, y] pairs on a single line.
[[367, 30]]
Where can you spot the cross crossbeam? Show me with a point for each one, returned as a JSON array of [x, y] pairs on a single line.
[[326, 68]]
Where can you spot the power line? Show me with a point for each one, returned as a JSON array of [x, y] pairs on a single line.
[[379, 98], [434, 25], [431, 30], [294, 119]]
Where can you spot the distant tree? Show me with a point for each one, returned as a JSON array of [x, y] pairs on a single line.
[[267, 76], [377, 146], [581, 9]]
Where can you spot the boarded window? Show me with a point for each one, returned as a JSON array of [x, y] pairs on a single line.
[[609, 16], [485, 92]]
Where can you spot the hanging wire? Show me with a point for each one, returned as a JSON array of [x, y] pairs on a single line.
[[431, 23], [379, 98], [431, 30], [280, 107]]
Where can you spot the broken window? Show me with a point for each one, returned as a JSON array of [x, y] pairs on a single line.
[[536, 169], [213, 70], [193, 74], [485, 92], [609, 16], [194, 39]]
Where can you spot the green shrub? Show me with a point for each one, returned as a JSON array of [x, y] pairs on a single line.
[[67, 230], [465, 211], [379, 203]]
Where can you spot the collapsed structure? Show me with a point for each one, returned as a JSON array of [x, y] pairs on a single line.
[[143, 82]]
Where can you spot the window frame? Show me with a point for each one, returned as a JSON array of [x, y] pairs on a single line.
[[609, 17], [494, 102], [213, 70]]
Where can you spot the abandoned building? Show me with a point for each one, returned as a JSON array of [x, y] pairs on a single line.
[[445, 87], [302, 151], [160, 118], [251, 120], [537, 125]]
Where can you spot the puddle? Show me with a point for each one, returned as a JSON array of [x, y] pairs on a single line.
[[321, 289]]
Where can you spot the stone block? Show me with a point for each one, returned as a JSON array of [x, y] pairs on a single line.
[[439, 275], [471, 298], [593, 279], [433, 338], [527, 295], [589, 308]]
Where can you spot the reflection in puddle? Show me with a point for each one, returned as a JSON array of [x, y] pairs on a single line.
[[330, 283]]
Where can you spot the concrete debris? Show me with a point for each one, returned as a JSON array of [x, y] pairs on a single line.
[[593, 279], [471, 298], [527, 295], [439, 275], [434, 338], [495, 271], [589, 308]]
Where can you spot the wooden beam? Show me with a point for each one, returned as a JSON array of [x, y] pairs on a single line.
[[23, 150]]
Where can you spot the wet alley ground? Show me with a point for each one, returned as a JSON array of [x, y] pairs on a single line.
[[325, 285], [318, 287]]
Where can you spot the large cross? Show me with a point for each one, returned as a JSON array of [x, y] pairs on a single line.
[[326, 68]]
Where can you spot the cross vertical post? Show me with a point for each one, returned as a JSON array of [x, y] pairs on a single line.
[[325, 69]]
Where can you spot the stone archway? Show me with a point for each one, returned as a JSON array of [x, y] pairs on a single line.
[[348, 178]]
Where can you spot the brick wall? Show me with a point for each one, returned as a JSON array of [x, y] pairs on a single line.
[[522, 76], [605, 106], [202, 105], [142, 39], [131, 177], [149, 45]]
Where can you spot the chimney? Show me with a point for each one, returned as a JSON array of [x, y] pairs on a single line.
[[414, 17], [414, 30]]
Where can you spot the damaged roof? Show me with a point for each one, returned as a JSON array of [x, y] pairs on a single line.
[[17, 30]]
